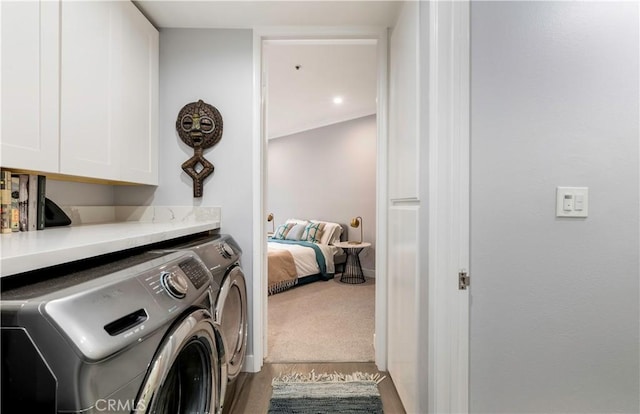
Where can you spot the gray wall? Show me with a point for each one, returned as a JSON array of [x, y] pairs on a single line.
[[554, 302], [68, 193], [329, 174], [217, 67]]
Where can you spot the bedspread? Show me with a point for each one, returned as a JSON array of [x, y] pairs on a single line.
[[282, 271], [308, 258]]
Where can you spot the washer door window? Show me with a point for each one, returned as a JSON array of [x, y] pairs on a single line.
[[184, 376], [231, 314]]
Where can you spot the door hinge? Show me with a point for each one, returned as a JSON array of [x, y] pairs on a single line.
[[463, 280]]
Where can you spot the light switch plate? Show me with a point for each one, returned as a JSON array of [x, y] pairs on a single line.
[[572, 201]]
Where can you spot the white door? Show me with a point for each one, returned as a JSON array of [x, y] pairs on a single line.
[[405, 205], [428, 206]]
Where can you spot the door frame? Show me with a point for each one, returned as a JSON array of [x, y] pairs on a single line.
[[448, 54], [258, 310], [447, 50]]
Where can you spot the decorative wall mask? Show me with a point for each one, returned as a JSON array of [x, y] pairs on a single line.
[[199, 125]]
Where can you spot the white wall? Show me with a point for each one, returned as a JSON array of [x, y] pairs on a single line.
[[68, 193], [215, 66], [555, 308], [329, 174]]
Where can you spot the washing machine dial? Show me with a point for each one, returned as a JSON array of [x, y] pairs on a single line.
[[175, 284], [227, 249]]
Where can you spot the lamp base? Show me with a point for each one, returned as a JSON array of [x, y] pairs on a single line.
[[354, 242]]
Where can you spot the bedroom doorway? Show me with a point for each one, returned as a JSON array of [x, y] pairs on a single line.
[[334, 153], [321, 166]]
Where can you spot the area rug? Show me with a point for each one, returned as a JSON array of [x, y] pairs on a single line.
[[326, 393]]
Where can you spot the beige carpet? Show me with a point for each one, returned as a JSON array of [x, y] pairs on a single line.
[[322, 322]]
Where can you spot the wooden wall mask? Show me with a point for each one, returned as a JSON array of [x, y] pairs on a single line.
[[199, 125]]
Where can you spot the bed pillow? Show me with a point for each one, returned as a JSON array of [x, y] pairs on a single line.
[[281, 231], [312, 232], [335, 237], [296, 232], [297, 221], [329, 231]]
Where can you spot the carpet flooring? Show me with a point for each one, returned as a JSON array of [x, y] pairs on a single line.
[[322, 322]]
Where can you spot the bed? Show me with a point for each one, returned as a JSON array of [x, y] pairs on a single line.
[[301, 251]]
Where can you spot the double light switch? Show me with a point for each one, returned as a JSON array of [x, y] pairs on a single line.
[[572, 201]]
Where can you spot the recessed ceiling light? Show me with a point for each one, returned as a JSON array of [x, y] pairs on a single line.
[[337, 100]]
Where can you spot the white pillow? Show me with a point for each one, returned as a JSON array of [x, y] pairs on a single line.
[[330, 233], [297, 221], [335, 237], [296, 232]]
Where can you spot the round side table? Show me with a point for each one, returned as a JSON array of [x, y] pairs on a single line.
[[353, 270]]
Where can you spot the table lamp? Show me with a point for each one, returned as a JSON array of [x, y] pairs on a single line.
[[355, 223], [273, 223]]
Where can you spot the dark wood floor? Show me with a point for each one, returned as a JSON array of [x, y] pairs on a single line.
[[253, 391]]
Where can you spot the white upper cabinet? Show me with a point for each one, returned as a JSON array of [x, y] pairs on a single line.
[[109, 92], [138, 81], [30, 87], [87, 85], [80, 90]]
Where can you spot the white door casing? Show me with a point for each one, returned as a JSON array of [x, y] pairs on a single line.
[[258, 311], [427, 233], [449, 138]]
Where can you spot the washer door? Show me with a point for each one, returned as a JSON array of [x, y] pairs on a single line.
[[184, 376], [231, 314]]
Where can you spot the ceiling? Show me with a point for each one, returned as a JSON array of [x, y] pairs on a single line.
[[302, 99], [243, 14], [303, 78]]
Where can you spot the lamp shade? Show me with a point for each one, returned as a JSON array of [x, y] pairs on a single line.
[[273, 223], [355, 223]]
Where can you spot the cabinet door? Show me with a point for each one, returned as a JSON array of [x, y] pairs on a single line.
[[109, 109], [30, 70], [138, 101], [87, 136]]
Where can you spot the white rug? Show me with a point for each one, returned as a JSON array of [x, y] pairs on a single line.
[[322, 322]]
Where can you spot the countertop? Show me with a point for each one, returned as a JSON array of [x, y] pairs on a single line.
[[133, 227], [30, 250]]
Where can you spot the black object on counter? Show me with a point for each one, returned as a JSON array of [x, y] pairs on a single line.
[[53, 215]]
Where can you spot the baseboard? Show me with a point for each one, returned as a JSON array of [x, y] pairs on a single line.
[[369, 273], [249, 365]]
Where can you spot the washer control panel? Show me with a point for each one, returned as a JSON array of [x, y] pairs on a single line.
[[177, 281], [175, 284], [225, 250], [123, 307], [196, 273]]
